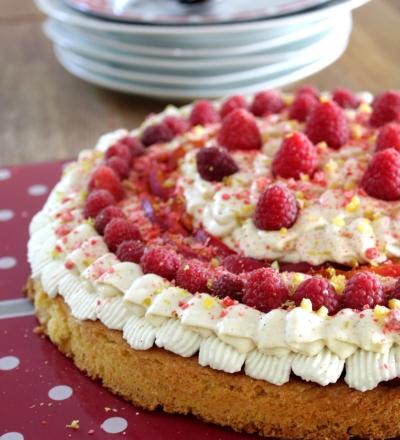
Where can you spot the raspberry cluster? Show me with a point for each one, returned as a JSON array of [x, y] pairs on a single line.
[[250, 281]]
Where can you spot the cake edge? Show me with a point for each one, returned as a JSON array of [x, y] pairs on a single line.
[[156, 378]]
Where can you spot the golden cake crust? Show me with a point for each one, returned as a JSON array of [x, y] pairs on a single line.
[[157, 378]]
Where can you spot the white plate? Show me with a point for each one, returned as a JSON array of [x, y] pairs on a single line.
[[267, 40], [174, 12], [58, 10], [173, 93], [124, 72], [303, 51]]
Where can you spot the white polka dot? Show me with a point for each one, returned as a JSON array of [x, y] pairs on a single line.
[[60, 392], [37, 190], [4, 174], [12, 436], [8, 363], [6, 214], [114, 425], [7, 262]]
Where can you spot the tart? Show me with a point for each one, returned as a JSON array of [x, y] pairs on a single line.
[[238, 260]]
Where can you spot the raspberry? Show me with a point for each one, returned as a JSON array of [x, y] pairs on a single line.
[[203, 113], [327, 122], [119, 165], [308, 90], [389, 137], [135, 146], [382, 177], [345, 98], [194, 276], [363, 291], [176, 124], [96, 201], [320, 292], [265, 290], [130, 250], [386, 108], [227, 284], [105, 216], [237, 264], [156, 134], [105, 177], [214, 163], [276, 208], [232, 103], [296, 156], [302, 106], [161, 261], [119, 230], [267, 102], [395, 293], [119, 150], [239, 131]]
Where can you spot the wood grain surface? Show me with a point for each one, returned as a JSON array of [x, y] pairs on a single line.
[[46, 113]]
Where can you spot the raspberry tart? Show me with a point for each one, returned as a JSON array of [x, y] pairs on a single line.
[[237, 260]]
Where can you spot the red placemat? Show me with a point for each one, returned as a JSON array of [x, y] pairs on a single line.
[[41, 391], [23, 191]]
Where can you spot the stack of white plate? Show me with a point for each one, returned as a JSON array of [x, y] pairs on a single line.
[[153, 48]]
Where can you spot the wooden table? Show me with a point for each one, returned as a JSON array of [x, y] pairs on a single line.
[[46, 113]]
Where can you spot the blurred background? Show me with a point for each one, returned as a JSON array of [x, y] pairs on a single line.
[[74, 69]]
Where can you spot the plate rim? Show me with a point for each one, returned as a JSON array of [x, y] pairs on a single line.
[[47, 7]]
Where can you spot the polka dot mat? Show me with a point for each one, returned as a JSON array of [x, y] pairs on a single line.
[[42, 393]]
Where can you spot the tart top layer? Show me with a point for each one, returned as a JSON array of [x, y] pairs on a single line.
[[241, 223], [219, 197]]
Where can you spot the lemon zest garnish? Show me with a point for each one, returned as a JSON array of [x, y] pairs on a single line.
[[353, 205], [227, 180], [322, 145], [356, 131], [287, 98], [168, 183], [304, 177], [380, 312], [198, 130], [214, 262], [146, 302], [365, 108], [74, 424], [283, 231], [370, 214], [350, 184], [338, 282], [83, 195], [331, 166], [338, 221], [322, 312], [306, 304], [364, 227], [246, 210], [275, 265], [54, 253], [90, 221], [394, 304], [87, 262], [297, 279], [208, 302], [331, 271]]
